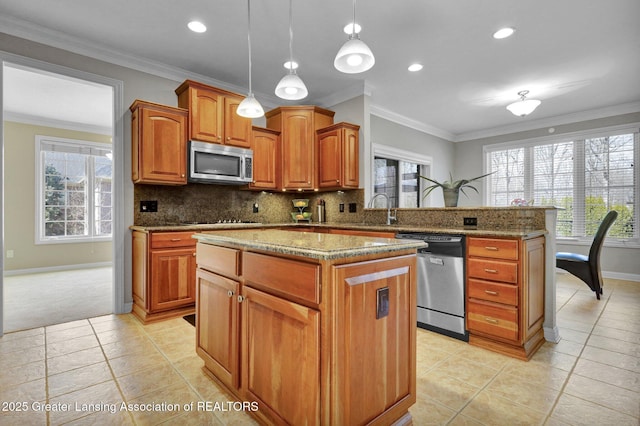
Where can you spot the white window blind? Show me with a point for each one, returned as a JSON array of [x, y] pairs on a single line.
[[585, 177]]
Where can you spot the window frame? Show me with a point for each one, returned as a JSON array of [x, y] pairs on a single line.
[[90, 206], [398, 154], [579, 182]]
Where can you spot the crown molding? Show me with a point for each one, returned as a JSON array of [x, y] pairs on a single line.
[[358, 89], [411, 123], [35, 120], [551, 121]]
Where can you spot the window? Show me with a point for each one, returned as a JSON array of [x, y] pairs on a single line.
[[397, 174], [74, 190], [585, 177]]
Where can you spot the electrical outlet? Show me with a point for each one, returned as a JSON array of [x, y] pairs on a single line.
[[341, 207], [382, 302], [255, 208], [353, 207], [470, 221], [149, 206], [9, 254]]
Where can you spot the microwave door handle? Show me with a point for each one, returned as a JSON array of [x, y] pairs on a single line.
[[242, 171]]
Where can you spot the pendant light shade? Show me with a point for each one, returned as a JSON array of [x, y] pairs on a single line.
[[524, 106], [249, 107], [354, 56], [291, 87]]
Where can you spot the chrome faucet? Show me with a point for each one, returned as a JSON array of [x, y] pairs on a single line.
[[389, 217]]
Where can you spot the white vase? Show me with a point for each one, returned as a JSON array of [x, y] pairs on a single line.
[[450, 197]]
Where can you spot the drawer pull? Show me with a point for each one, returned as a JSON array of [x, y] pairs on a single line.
[[174, 240], [493, 293], [491, 248], [490, 271], [230, 293], [491, 320]]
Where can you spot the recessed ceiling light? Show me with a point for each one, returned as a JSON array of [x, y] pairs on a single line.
[[348, 29], [197, 26], [290, 65], [504, 32], [415, 67]]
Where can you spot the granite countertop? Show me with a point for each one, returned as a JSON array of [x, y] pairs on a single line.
[[515, 233], [307, 244]]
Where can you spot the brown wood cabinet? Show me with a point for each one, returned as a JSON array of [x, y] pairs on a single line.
[[212, 114], [265, 144], [505, 294], [163, 275], [301, 336], [158, 144], [298, 125], [338, 156]]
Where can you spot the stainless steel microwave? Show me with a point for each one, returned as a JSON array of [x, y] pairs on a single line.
[[213, 163]]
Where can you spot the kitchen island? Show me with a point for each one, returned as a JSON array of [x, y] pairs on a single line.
[[315, 328]]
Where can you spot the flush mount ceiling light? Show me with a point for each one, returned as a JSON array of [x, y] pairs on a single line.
[[354, 56], [249, 107], [197, 26], [291, 87], [415, 67], [523, 106], [504, 32]]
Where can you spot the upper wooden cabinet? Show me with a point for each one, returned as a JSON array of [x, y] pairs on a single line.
[[298, 125], [338, 156], [265, 144], [212, 115], [158, 144]]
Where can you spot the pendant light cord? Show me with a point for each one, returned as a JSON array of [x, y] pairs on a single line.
[[290, 36], [353, 24], [249, 40]]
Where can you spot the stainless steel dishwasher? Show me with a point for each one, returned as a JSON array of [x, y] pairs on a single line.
[[441, 291]]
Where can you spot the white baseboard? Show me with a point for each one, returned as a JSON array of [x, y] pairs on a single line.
[[609, 274], [57, 268]]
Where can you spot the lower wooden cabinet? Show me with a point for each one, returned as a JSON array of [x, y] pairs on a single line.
[[304, 339], [163, 275], [505, 294]]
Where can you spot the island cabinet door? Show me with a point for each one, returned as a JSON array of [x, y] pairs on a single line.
[[375, 376], [217, 330], [172, 280], [281, 358]]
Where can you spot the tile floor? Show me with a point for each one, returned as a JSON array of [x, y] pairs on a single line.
[[592, 377]]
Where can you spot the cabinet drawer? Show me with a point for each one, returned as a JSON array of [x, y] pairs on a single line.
[[493, 292], [222, 260], [493, 247], [496, 320], [283, 277], [172, 239], [494, 270]]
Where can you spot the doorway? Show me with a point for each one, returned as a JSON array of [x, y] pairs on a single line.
[[60, 190]]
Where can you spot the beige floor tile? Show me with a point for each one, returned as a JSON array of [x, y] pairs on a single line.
[[577, 411], [615, 345], [448, 390], [614, 333], [537, 374], [197, 418], [23, 418], [67, 325], [484, 357], [192, 369], [619, 324], [22, 374], [120, 334], [119, 418], [606, 373], [491, 409], [25, 342], [428, 358], [610, 396], [167, 402], [147, 381], [471, 372], [69, 333], [72, 345], [80, 378], [546, 356], [429, 412], [612, 358], [35, 390], [17, 358], [74, 360], [461, 420], [138, 344], [574, 335], [129, 364], [567, 324], [513, 388], [86, 401], [447, 344], [565, 347], [7, 337]]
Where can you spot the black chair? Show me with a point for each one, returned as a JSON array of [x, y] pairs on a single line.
[[587, 268]]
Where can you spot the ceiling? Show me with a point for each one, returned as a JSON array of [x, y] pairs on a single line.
[[581, 59]]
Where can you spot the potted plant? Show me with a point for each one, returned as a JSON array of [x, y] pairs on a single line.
[[451, 188]]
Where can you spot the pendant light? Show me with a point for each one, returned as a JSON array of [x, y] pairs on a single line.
[[291, 87], [354, 56], [523, 106], [249, 107]]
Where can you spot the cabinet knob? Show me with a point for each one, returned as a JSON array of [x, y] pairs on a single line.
[[337, 180], [228, 138], [230, 293], [182, 175], [240, 298]]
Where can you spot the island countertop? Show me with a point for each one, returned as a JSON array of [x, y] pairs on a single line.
[[307, 244]]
